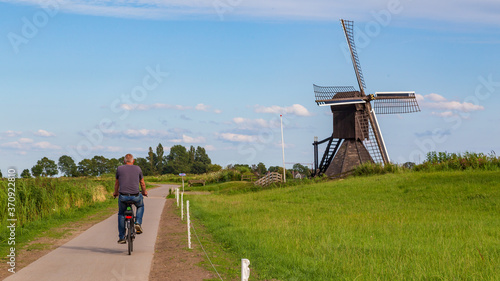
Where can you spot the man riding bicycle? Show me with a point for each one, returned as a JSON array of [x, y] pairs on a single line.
[[128, 179]]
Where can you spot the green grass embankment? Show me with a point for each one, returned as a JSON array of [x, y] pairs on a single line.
[[437, 225], [43, 203]]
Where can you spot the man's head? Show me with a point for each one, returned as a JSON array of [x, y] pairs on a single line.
[[129, 159]]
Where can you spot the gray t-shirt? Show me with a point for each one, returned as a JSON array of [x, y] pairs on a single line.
[[129, 177]]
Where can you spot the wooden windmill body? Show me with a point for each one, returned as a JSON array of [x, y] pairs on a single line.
[[356, 136]]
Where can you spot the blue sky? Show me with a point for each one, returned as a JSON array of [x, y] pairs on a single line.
[[85, 78]]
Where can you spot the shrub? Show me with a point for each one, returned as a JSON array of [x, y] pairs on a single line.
[[443, 161]]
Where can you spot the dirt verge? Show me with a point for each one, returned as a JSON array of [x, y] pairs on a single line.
[[173, 260]]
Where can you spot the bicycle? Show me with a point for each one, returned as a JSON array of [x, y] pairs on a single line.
[[129, 225]]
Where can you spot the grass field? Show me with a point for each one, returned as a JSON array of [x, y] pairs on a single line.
[[43, 203], [407, 226]]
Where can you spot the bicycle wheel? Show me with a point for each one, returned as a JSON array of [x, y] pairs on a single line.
[[132, 234], [129, 238]]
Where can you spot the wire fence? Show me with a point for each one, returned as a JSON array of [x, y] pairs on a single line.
[[191, 225], [201, 245]]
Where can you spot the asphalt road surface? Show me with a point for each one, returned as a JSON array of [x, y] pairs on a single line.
[[95, 255]]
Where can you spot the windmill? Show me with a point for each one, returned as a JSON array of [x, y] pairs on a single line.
[[356, 136]]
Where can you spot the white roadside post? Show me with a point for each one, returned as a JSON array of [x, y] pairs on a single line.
[[182, 206], [283, 149], [188, 224], [177, 196], [245, 270]]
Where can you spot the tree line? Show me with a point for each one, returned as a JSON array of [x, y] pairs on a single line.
[[260, 169], [179, 160]]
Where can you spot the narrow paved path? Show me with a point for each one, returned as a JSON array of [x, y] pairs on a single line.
[[95, 255]]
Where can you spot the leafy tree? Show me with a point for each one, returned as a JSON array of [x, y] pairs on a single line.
[[37, 171], [275, 169], [409, 165], [261, 168], [178, 160], [160, 159], [198, 168], [152, 161], [67, 166], [201, 161], [242, 168], [214, 168], [1, 174], [45, 168], [112, 164], [191, 155], [202, 156], [144, 165], [99, 165], [25, 174], [85, 168], [302, 169]]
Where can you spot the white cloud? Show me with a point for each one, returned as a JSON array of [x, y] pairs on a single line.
[[145, 107], [443, 114], [482, 11], [43, 133], [138, 133], [188, 139], [251, 124], [435, 97], [107, 148], [11, 134], [25, 140], [46, 145], [295, 109], [237, 137], [439, 102], [210, 147], [26, 144], [12, 144], [143, 149], [202, 107]]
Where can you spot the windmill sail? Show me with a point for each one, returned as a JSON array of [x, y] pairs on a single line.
[[328, 93], [395, 102], [377, 144], [347, 25], [337, 95]]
